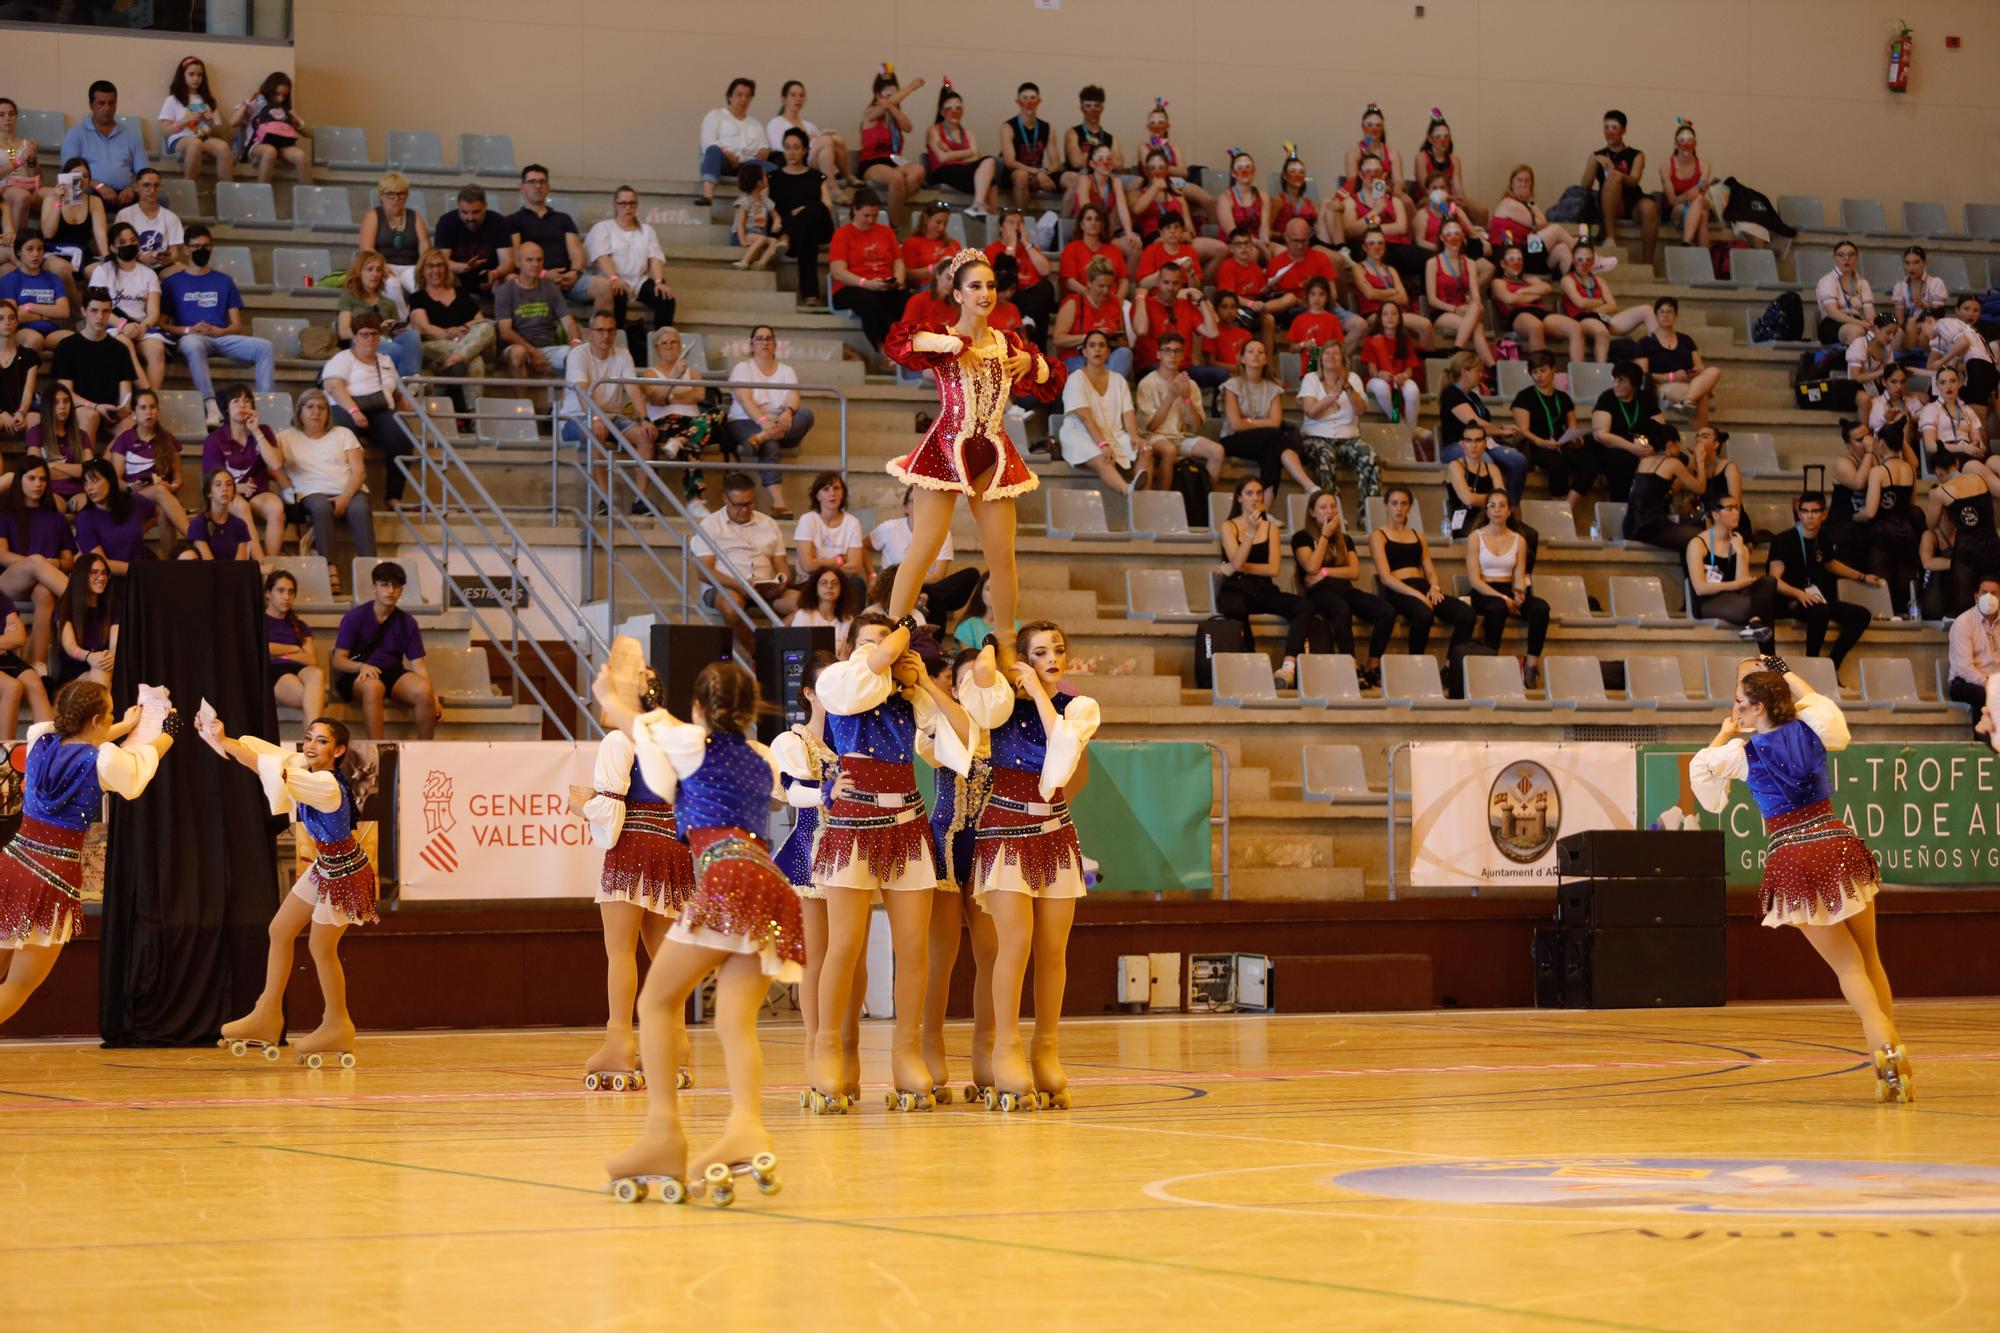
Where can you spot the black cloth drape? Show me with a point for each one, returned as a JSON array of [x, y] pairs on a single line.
[[190, 879]]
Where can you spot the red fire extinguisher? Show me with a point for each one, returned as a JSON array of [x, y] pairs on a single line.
[[1901, 49]]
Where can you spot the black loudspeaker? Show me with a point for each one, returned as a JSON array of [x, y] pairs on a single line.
[[1548, 957], [1639, 854], [1587, 903], [680, 652], [1667, 967], [781, 662]]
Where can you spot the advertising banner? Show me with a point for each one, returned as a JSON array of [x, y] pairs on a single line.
[[1490, 813], [490, 819]]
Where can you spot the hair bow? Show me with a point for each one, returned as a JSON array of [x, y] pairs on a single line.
[[1372, 110], [1291, 151], [889, 68], [945, 82], [1159, 104]]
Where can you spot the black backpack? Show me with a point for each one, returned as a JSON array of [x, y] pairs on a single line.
[[1784, 320], [1191, 482], [1217, 634]]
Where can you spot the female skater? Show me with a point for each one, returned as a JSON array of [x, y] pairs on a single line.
[[966, 451], [883, 710], [72, 762], [1818, 875], [1027, 866], [960, 798], [648, 877], [743, 919], [336, 891]]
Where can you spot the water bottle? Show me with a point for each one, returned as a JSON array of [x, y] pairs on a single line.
[[1395, 407]]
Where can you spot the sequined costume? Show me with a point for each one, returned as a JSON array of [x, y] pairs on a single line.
[[804, 763], [340, 883], [645, 862], [970, 434], [960, 799], [1025, 840], [1816, 870], [722, 785], [41, 867]]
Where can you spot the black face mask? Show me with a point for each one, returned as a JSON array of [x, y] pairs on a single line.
[[127, 253], [199, 256]]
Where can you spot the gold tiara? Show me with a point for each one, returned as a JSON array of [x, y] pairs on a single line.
[[961, 259]]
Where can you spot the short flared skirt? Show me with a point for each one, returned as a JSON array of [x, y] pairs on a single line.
[[741, 904], [41, 885], [795, 859], [892, 851], [342, 882], [939, 463], [1817, 870], [1019, 852], [649, 865]]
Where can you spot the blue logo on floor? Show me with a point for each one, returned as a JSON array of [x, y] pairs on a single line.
[[1738, 1186]]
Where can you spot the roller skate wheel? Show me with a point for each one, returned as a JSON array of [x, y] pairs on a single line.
[[941, 1095], [271, 1054], [590, 1083], [805, 1101], [684, 1080], [314, 1060], [629, 1191], [1882, 1090], [618, 1082], [973, 1093], [722, 1195], [991, 1098], [673, 1191], [1055, 1101], [237, 1048], [638, 1081], [347, 1059]]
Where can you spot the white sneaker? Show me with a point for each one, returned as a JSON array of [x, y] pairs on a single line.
[[974, 211], [214, 415]]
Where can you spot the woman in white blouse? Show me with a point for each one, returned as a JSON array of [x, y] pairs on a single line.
[[1100, 430], [826, 151], [328, 475], [829, 538]]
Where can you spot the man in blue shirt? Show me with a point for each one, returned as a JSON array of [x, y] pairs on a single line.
[[116, 154], [202, 308]]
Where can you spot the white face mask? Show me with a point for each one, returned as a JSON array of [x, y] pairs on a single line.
[[1438, 197], [1989, 604]]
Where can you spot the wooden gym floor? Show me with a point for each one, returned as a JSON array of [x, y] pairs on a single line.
[[1701, 1172]]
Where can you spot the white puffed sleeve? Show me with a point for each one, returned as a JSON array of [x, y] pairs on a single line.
[[938, 742], [39, 730], [941, 344], [788, 752], [287, 781], [1823, 715], [124, 771], [610, 779], [1075, 726], [1712, 770], [668, 750], [851, 688], [777, 788], [989, 707]]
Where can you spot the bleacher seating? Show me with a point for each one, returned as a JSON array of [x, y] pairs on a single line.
[[1335, 773], [415, 150]]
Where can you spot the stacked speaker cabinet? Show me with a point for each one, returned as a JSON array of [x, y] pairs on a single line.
[[1639, 922]]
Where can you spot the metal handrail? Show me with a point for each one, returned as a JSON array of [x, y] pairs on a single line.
[[1222, 819]]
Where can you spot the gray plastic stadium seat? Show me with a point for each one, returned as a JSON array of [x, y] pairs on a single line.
[[46, 128], [1553, 519], [180, 195], [1952, 269], [1821, 674], [136, 124], [342, 146], [1754, 268], [1496, 682], [1867, 216], [1877, 597], [1218, 509], [1333, 773], [274, 409], [1243, 680], [1512, 378], [315, 585], [1655, 679], [1157, 594], [1805, 212], [291, 267], [1922, 217], [416, 599], [323, 208], [247, 204], [486, 155], [463, 677], [1891, 681], [1162, 515], [183, 414], [1766, 515], [1608, 516], [416, 150], [1638, 599], [1690, 266], [1567, 598], [1718, 674], [1326, 679], [1077, 513], [1414, 682], [1810, 263], [508, 421], [1392, 444], [1588, 380], [1982, 220], [1756, 453], [1883, 269], [236, 261], [283, 334], [1577, 682]]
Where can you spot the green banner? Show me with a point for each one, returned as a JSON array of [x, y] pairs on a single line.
[[1930, 813]]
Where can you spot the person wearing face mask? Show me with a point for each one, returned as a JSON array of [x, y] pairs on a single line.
[[203, 309], [135, 302], [1975, 660]]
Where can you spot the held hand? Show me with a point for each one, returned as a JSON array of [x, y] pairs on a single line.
[[843, 787], [1813, 596], [131, 718], [1025, 680], [1020, 365], [360, 418], [1434, 595]]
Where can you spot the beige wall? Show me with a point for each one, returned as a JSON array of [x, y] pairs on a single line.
[[51, 69], [1788, 94]]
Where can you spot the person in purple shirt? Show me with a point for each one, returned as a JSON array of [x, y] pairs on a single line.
[[218, 532], [113, 522], [58, 439], [36, 550], [87, 621], [378, 654], [249, 450], [148, 458], [295, 675]]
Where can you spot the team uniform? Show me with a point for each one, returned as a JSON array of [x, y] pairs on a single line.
[[1024, 840], [340, 884], [41, 867], [804, 766], [645, 862], [969, 435]]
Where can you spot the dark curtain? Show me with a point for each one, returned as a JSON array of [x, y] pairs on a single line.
[[190, 879]]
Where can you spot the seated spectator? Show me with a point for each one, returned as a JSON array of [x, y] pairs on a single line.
[[1250, 567], [1517, 220], [1437, 162], [367, 393], [1289, 272], [98, 369], [1684, 182], [1673, 362], [60, 443], [1869, 359], [803, 197], [37, 550], [1965, 498], [972, 632], [945, 589], [1435, 210], [1497, 559], [329, 478], [115, 153], [1949, 424], [533, 320], [601, 371], [1896, 413], [1408, 580], [1100, 429], [1451, 291], [203, 310], [826, 151], [754, 548], [1858, 479], [629, 263], [1088, 135], [1886, 519], [1026, 154], [1934, 552], [1243, 204], [1807, 574], [1650, 504], [1174, 304], [1545, 430], [1185, 177], [884, 161], [1525, 306], [134, 290], [1169, 413], [928, 248], [1253, 407], [22, 184], [1139, 215], [1329, 571], [1374, 142], [1395, 365], [1377, 283], [1975, 660], [41, 301], [191, 126], [1097, 310], [1332, 399], [296, 678], [830, 602], [765, 414], [1241, 275], [1722, 475], [1725, 587], [1221, 355], [274, 129], [1293, 199], [1035, 289], [867, 267], [1846, 301], [1174, 249], [480, 242], [158, 227], [731, 138], [1955, 340], [829, 538], [87, 623], [681, 421], [75, 223], [378, 655], [1318, 325], [20, 681], [756, 226], [150, 460], [1587, 299], [1617, 172], [456, 338], [1469, 479], [217, 533], [248, 450], [1369, 202], [552, 229], [1919, 292], [1624, 419], [952, 160], [19, 368], [394, 230], [113, 523], [366, 291], [1092, 243]]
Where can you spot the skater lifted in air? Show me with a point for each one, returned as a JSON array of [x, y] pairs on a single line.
[[1818, 875]]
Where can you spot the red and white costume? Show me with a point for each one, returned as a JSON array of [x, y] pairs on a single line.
[[645, 861], [969, 435]]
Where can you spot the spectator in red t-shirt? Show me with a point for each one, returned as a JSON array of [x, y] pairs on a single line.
[[1099, 188], [1319, 324], [1173, 249], [929, 309], [867, 267], [1006, 312], [1223, 353], [1395, 367], [1452, 286], [1097, 308], [952, 159], [1159, 196], [1035, 293], [1093, 243], [1290, 271], [1376, 282], [928, 248], [1174, 305], [1241, 274]]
